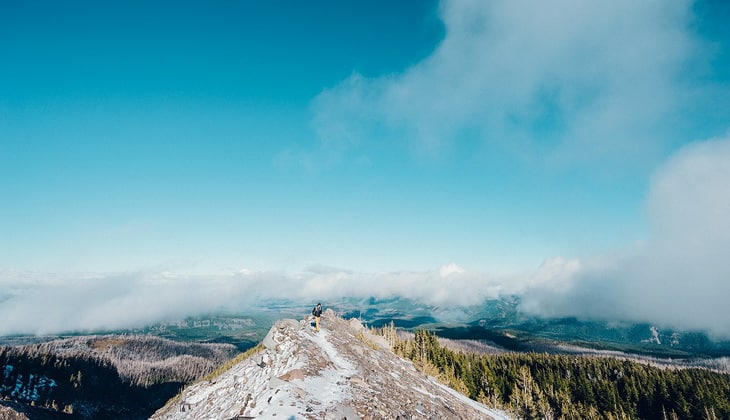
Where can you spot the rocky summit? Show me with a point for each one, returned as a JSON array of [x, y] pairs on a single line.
[[340, 372]]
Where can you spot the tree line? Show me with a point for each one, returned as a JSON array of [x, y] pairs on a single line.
[[551, 386]]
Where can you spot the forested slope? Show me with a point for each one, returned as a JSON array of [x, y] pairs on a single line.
[[114, 376], [536, 385]]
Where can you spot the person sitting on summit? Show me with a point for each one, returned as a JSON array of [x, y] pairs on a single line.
[[317, 312]]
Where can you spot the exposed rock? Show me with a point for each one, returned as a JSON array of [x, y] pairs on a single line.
[[355, 325], [292, 375], [333, 374], [7, 413]]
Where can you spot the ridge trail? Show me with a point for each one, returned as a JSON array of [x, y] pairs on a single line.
[[340, 372]]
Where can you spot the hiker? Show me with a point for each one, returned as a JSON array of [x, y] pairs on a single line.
[[317, 312]]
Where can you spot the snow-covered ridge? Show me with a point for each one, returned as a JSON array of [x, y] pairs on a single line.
[[340, 372]]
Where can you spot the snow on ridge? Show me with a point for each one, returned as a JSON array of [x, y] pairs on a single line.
[[496, 414], [335, 373]]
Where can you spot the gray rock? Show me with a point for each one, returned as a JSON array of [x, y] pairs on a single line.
[[269, 342], [342, 412], [356, 325]]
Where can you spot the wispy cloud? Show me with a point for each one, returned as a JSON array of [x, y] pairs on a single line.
[[566, 80]]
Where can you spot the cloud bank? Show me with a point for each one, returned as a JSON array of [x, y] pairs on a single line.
[[35, 303], [567, 80], [680, 276]]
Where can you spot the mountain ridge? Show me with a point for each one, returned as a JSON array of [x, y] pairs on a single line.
[[342, 371]]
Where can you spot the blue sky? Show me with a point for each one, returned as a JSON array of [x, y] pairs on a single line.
[[131, 130], [376, 137]]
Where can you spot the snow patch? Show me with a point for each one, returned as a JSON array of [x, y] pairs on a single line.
[[496, 414]]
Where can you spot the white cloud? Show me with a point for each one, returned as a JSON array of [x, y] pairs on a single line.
[[92, 302], [45, 303], [681, 275], [450, 269], [567, 79]]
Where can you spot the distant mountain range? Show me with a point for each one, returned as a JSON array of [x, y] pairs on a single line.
[[500, 321]]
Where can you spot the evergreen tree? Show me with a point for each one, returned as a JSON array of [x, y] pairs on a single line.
[[546, 386]]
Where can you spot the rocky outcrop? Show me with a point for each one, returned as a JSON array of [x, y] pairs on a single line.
[[7, 413], [340, 372]]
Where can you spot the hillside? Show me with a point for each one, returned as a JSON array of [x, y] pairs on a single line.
[[102, 376], [341, 372], [555, 386]]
